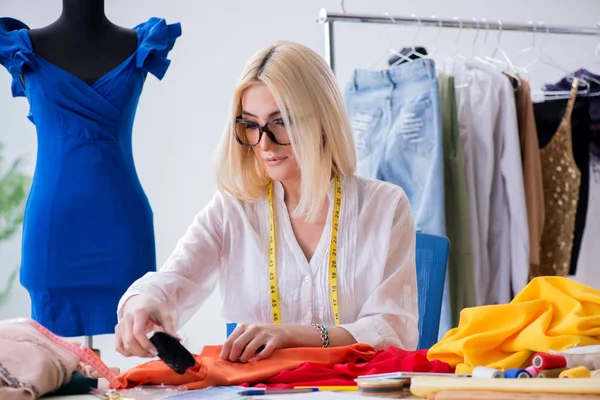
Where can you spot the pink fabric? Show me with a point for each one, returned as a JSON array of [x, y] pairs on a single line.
[[30, 364]]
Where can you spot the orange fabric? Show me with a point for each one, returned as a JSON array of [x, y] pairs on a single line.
[[210, 370]]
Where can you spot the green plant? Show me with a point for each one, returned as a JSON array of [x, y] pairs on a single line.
[[14, 188]]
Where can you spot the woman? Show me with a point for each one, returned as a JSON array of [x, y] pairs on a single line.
[[305, 252]]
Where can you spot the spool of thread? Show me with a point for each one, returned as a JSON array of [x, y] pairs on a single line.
[[485, 372], [517, 373], [577, 372], [548, 361], [532, 371], [550, 373]]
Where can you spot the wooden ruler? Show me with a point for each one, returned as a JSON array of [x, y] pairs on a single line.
[[423, 386]]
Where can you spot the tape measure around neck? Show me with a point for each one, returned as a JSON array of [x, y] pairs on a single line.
[[332, 272]]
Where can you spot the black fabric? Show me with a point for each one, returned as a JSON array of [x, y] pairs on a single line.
[[548, 116], [405, 51], [172, 352], [83, 42], [78, 384]]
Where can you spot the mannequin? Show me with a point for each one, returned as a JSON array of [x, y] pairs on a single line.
[[88, 230], [83, 41]]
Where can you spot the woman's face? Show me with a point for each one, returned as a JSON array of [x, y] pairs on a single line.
[[259, 108]]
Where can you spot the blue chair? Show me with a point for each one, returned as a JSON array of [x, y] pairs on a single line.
[[431, 260]]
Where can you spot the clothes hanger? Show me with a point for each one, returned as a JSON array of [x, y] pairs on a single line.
[[458, 55], [588, 76], [537, 50], [533, 47], [487, 34], [390, 50], [507, 65], [437, 36], [594, 53], [511, 69], [544, 59], [476, 36], [434, 52], [413, 51]]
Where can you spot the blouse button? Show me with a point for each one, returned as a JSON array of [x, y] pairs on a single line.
[[306, 279]]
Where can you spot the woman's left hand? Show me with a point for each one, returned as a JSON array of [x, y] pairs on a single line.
[[253, 342]]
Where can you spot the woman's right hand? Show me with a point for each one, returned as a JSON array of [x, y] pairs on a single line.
[[141, 314]]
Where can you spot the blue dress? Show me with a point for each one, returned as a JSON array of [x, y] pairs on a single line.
[[88, 230]]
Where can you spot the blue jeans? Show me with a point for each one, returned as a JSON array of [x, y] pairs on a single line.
[[395, 119]]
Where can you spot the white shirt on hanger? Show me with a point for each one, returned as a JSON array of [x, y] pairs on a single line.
[[508, 240], [228, 244], [490, 142]]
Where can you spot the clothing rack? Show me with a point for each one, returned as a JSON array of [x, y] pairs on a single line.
[[328, 19]]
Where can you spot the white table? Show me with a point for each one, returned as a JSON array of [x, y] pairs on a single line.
[[303, 396]]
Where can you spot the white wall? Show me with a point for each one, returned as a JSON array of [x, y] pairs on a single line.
[[179, 119]]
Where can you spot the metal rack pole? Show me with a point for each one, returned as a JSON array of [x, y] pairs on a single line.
[[329, 44], [329, 18]]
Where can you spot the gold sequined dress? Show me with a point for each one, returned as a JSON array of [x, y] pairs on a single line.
[[561, 180]]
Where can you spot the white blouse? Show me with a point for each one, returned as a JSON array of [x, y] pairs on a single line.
[[228, 243]]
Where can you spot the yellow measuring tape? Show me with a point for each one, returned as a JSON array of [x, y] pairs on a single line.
[[333, 289]]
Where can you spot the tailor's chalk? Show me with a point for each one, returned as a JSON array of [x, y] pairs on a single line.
[[548, 361], [532, 371], [550, 373], [577, 372], [485, 372], [516, 373]]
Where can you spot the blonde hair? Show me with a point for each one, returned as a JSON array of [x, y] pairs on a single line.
[[307, 94]]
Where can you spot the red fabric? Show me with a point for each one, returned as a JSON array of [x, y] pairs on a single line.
[[210, 370], [287, 368], [390, 360]]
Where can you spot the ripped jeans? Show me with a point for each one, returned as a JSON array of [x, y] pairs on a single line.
[[395, 119]]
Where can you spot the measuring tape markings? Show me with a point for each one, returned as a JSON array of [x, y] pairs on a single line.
[[332, 272], [85, 354]]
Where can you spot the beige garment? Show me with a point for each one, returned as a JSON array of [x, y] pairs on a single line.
[[489, 395], [532, 171], [30, 364], [561, 179]]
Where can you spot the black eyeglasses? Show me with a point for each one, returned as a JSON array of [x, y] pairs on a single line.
[[250, 133]]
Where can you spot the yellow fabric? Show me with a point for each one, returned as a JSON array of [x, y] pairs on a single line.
[[550, 313]]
